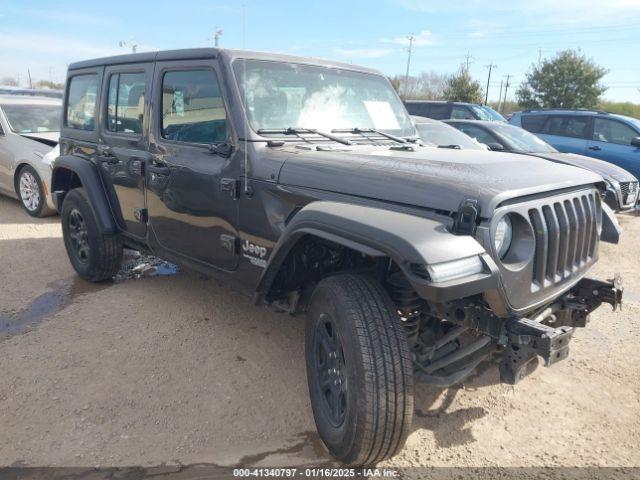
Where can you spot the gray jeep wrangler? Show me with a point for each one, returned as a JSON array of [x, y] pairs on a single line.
[[303, 182]]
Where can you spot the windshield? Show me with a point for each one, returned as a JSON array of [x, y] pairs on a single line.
[[285, 95], [491, 114], [33, 118], [523, 140], [443, 135]]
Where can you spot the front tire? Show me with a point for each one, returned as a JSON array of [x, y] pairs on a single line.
[[94, 255], [30, 192], [359, 370]]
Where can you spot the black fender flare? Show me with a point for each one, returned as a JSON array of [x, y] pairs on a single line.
[[406, 239], [88, 174]]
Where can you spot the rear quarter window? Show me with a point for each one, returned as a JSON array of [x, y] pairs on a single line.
[[81, 102], [533, 123]]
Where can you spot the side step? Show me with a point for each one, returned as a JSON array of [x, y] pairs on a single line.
[[527, 341]]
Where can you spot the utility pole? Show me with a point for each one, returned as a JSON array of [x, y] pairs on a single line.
[[123, 44], [500, 95], [468, 60], [491, 66], [406, 76], [506, 89], [30, 83], [216, 35]]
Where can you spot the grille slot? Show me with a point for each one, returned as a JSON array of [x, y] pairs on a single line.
[[628, 187], [565, 237]]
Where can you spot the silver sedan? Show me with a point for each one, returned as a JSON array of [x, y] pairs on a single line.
[[29, 130]]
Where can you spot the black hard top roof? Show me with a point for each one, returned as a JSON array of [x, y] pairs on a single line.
[[211, 53]]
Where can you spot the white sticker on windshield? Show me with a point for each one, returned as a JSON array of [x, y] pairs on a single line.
[[382, 115]]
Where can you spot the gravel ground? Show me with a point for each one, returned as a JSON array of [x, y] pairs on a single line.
[[179, 368]]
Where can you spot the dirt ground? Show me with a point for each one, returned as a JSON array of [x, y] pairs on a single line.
[[181, 369]]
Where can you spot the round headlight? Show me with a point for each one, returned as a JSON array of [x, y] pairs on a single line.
[[503, 235]]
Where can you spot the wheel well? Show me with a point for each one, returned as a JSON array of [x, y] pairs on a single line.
[[312, 258], [64, 179]]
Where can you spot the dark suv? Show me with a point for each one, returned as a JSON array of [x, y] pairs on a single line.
[[440, 110], [302, 182]]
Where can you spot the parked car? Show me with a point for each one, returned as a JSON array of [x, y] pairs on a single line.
[[29, 128], [440, 110], [303, 183], [622, 187], [609, 137], [439, 134]]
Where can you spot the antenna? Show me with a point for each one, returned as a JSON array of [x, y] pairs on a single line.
[[406, 76]]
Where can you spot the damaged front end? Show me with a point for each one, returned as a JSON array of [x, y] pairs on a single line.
[[446, 351]]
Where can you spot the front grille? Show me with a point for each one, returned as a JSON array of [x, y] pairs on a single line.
[[566, 236], [628, 187]]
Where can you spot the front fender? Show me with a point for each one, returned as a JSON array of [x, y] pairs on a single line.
[[88, 174], [406, 239]]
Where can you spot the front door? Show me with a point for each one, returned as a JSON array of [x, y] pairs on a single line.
[[123, 146], [568, 133], [612, 142], [191, 190]]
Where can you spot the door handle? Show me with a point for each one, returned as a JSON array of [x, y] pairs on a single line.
[[158, 169], [595, 148]]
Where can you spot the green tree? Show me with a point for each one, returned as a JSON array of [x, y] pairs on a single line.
[[569, 80], [9, 81], [460, 87]]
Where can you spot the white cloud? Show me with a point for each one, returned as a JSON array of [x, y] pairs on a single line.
[[424, 38], [363, 52]]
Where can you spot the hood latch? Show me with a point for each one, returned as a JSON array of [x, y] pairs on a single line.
[[465, 220]]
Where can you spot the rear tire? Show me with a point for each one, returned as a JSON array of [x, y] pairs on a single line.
[[359, 370], [94, 255]]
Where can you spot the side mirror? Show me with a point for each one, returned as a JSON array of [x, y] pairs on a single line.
[[635, 142], [495, 147]]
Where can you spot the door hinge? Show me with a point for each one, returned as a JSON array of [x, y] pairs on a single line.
[[230, 186], [141, 214], [230, 243]]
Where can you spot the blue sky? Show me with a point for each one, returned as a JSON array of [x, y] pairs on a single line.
[[37, 36]]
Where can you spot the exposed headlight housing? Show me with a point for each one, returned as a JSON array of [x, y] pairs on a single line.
[[445, 271], [502, 237]]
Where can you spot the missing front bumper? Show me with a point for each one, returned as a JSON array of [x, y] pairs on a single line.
[[528, 340]]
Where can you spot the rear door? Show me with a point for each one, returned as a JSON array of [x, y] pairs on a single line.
[[611, 142], [568, 133], [124, 143], [191, 191]]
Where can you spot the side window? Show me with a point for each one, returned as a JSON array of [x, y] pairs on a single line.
[[533, 123], [610, 131], [81, 102], [438, 112], [576, 127], [125, 107], [192, 107], [479, 134], [462, 113]]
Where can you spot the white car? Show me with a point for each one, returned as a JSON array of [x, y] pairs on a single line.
[[29, 129]]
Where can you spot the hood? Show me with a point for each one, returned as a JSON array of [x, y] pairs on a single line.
[[606, 170], [48, 138], [434, 178]]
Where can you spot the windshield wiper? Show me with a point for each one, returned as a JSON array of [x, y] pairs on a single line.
[[362, 131], [298, 131]]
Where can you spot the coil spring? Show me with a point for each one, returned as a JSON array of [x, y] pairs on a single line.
[[408, 302]]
